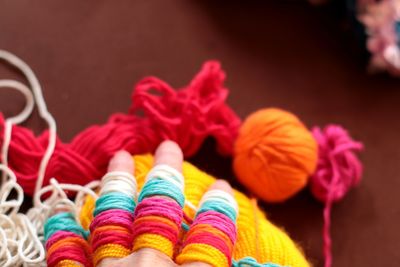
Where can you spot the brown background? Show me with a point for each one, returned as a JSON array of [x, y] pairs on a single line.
[[88, 54]]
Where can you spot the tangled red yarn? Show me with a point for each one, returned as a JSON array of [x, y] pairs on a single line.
[[187, 116]]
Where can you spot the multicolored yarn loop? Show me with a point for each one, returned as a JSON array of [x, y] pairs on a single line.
[[212, 235], [158, 219], [257, 238], [111, 228], [186, 116], [66, 243]]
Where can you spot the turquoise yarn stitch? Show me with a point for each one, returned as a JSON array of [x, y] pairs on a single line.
[[250, 262], [219, 206], [185, 227], [114, 200], [158, 186], [63, 221]]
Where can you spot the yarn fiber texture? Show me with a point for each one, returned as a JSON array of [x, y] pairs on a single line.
[[274, 154], [187, 116], [338, 170], [256, 236]]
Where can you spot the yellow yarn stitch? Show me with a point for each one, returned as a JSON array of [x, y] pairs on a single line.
[[86, 213], [68, 263], [257, 237], [154, 241], [110, 251], [202, 253]]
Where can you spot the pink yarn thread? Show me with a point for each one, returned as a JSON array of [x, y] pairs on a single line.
[[74, 254], [59, 235], [337, 171], [219, 221], [117, 217], [187, 116], [161, 207]]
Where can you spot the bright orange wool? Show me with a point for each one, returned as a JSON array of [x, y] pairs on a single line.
[[274, 154]]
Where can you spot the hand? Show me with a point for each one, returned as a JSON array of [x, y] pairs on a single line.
[[170, 154]]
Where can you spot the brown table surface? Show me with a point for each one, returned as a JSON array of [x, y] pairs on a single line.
[[89, 54]]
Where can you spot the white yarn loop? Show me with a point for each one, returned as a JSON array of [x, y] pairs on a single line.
[[119, 181], [19, 239], [23, 115], [166, 172], [21, 236], [220, 195]]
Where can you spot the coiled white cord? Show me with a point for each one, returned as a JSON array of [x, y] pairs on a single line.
[[21, 236]]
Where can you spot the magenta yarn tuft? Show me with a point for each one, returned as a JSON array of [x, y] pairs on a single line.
[[338, 170]]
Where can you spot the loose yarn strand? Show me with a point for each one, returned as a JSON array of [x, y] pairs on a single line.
[[20, 242], [21, 235], [22, 116], [338, 170], [42, 108]]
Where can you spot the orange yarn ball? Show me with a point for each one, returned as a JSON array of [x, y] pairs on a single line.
[[274, 154]]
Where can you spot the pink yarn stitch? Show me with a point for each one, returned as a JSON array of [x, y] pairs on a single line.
[[59, 235], [115, 237], [209, 239], [74, 254], [158, 206], [219, 221], [337, 171], [112, 217]]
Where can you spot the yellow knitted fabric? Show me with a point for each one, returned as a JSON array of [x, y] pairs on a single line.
[[257, 237], [68, 263], [202, 253], [110, 251], [154, 241]]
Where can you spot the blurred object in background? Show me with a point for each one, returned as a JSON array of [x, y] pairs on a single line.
[[381, 20], [376, 25]]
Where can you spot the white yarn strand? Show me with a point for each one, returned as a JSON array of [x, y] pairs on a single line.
[[217, 194], [42, 108], [119, 181], [21, 236], [166, 172]]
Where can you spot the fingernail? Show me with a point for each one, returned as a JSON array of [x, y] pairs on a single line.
[[222, 185], [169, 153], [121, 161]]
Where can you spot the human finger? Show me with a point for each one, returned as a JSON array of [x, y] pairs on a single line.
[[158, 216], [211, 237], [66, 243], [111, 228]]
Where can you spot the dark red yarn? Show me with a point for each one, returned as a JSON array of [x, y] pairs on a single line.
[[187, 116]]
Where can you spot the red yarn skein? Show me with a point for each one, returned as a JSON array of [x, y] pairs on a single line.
[[187, 116]]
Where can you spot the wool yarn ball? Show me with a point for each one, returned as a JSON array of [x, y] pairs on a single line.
[[274, 154]]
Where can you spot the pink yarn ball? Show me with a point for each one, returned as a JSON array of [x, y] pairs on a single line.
[[338, 167]]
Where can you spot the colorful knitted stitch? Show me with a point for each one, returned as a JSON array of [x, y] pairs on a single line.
[[111, 228], [256, 236], [158, 216], [66, 243]]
